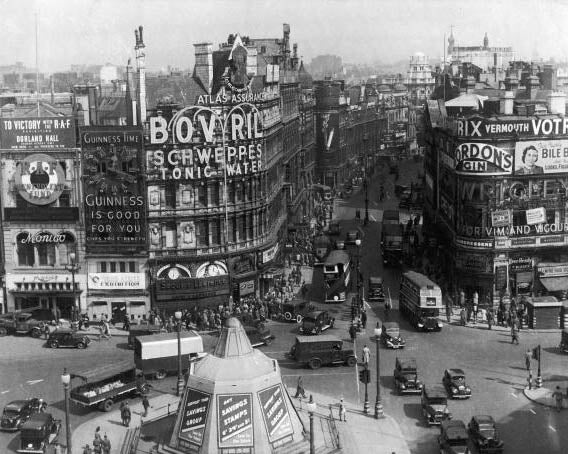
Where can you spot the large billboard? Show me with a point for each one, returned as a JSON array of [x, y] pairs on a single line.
[[483, 158], [482, 128], [37, 133], [39, 179], [113, 187], [541, 156]]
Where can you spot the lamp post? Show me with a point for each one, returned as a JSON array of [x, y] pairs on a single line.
[[180, 382], [359, 283], [366, 220], [311, 405], [538, 374], [378, 404], [65, 380], [73, 267], [366, 403]]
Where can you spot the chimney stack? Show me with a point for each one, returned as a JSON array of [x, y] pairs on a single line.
[[557, 103], [470, 84], [549, 77], [141, 69], [204, 64], [533, 84], [507, 102]]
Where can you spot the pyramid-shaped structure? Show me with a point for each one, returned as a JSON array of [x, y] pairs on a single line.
[[235, 401]]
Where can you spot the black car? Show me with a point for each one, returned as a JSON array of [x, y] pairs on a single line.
[[453, 437], [38, 434], [406, 376], [454, 381], [64, 337], [18, 412], [435, 405], [258, 334], [295, 310], [316, 322], [484, 434], [390, 336]]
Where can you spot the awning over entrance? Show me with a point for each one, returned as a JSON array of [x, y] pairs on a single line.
[[555, 284]]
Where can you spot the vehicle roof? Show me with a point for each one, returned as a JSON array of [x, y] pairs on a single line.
[[454, 372], [15, 405], [320, 338], [406, 363], [336, 257], [375, 280], [393, 229], [419, 279], [484, 420], [390, 325], [105, 371], [63, 331], [435, 391], [313, 314], [455, 429], [37, 421]]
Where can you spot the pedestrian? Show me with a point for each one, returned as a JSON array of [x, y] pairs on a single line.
[[342, 411], [364, 319], [514, 335], [388, 307], [46, 330], [106, 445], [463, 317], [353, 332], [87, 450], [528, 356], [97, 443], [300, 391], [125, 414], [489, 318], [448, 312], [558, 397], [366, 355], [145, 404], [475, 306]]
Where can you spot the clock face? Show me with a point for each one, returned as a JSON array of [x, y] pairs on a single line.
[[173, 273]]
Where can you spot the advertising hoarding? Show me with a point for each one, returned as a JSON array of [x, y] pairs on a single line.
[[37, 133], [275, 413], [39, 179], [234, 420], [194, 412], [536, 216], [541, 157], [501, 218], [482, 128], [117, 281], [113, 187], [483, 158]]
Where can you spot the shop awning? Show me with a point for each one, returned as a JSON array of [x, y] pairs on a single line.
[[555, 284]]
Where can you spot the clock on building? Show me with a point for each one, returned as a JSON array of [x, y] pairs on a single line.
[[173, 273]]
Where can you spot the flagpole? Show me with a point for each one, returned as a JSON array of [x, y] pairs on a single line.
[[36, 63]]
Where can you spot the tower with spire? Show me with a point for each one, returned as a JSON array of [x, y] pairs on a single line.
[[485, 41], [451, 41], [141, 74]]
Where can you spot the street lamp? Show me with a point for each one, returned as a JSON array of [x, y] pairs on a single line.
[[73, 267], [180, 381], [65, 380], [311, 405], [378, 404], [359, 283], [365, 185]]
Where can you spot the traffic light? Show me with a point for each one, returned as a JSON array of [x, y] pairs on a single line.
[[365, 376]]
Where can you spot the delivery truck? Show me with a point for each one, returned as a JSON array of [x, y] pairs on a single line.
[[157, 355]]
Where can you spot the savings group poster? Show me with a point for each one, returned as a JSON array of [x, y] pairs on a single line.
[[234, 414]]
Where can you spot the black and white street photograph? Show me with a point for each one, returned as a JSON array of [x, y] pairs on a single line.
[[284, 227]]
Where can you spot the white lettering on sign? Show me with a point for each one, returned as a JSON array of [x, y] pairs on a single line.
[[43, 238], [475, 157]]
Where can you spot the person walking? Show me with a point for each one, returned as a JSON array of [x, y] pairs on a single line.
[[528, 356], [558, 397], [125, 414], [475, 306], [353, 332], [366, 355], [489, 318], [364, 319], [106, 445], [46, 330], [87, 450], [300, 391], [388, 307], [342, 411], [145, 404], [514, 335]]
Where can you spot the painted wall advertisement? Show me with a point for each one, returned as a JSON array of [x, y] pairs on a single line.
[[481, 128], [484, 158], [234, 420], [195, 410], [205, 142], [540, 157], [39, 179], [44, 133], [114, 195], [275, 413]]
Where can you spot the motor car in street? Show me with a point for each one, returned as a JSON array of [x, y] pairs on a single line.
[[18, 412], [453, 438], [295, 310], [484, 435], [434, 403], [352, 236], [390, 336], [38, 433], [334, 228], [65, 337], [375, 290], [316, 322], [406, 376], [323, 350], [454, 381], [564, 341], [258, 334]]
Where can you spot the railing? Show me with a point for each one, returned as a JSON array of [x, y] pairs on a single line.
[[333, 427], [130, 442]]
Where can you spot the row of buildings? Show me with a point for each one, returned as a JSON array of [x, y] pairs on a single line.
[[178, 191]]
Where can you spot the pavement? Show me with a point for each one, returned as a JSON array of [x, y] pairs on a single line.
[[543, 395]]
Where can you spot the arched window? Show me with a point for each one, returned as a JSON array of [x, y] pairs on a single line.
[[67, 247], [46, 252], [25, 250]]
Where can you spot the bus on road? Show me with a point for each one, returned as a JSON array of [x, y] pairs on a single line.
[[336, 275], [420, 301]]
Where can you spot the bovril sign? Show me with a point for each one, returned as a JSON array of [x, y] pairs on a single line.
[[475, 158]]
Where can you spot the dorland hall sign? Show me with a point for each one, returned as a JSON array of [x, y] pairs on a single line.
[[205, 142]]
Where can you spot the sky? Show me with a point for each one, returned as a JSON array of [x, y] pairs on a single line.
[[360, 31]]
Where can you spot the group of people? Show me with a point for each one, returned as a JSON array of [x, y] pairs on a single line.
[[101, 445]]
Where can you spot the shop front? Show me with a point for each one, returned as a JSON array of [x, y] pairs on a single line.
[[184, 286], [46, 291], [243, 276], [117, 296], [269, 269], [553, 279]]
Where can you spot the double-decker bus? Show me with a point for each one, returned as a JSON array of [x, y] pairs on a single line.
[[336, 275], [420, 300]]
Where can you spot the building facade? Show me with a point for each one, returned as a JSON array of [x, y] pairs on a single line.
[[419, 80]]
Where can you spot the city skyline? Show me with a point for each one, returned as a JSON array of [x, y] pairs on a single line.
[[359, 31]]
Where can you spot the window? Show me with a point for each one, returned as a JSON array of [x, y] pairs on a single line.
[[113, 267], [102, 267], [171, 236], [122, 267], [215, 232], [132, 267], [46, 254], [202, 233], [65, 199], [170, 194], [25, 251], [202, 195], [66, 248], [215, 199]]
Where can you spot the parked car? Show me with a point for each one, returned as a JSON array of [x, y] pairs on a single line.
[[258, 334], [406, 376], [390, 336], [352, 236], [320, 351], [453, 437], [38, 433], [295, 310], [454, 381], [65, 337], [434, 403], [316, 322], [484, 435], [334, 228], [18, 412]]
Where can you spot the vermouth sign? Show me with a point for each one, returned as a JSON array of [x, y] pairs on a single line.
[[528, 127]]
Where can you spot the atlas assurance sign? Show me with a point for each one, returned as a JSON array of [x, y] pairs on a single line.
[[205, 142]]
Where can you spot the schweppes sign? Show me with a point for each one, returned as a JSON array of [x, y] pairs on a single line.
[[475, 158]]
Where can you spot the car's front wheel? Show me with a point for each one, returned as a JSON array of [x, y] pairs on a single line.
[[81, 345], [54, 344], [351, 361], [314, 363], [160, 374]]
